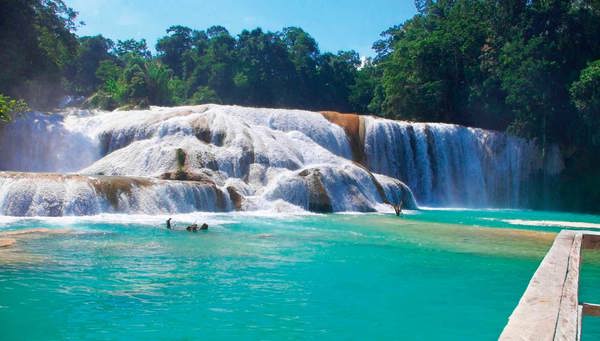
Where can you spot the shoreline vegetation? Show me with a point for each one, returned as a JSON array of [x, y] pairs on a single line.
[[530, 68]]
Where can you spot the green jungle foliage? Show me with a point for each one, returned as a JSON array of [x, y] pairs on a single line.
[[10, 107]]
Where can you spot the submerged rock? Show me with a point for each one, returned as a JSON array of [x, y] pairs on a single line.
[[37, 231], [6, 242]]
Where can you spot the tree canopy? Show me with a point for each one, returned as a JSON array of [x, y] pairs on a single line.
[[36, 44], [492, 64]]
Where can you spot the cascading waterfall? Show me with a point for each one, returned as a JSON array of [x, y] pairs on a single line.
[[44, 194], [38, 142], [198, 158], [451, 165], [219, 158]]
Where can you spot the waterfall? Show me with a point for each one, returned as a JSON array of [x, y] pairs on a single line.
[[222, 158], [43, 194], [183, 159], [38, 142], [452, 165]]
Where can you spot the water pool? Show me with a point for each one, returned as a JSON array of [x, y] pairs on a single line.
[[432, 274]]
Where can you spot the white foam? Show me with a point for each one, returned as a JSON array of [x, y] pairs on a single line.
[[551, 223], [159, 220], [485, 209], [107, 218]]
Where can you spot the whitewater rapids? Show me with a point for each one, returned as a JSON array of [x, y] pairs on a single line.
[[222, 158]]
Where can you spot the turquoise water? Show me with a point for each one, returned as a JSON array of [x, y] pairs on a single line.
[[432, 275]]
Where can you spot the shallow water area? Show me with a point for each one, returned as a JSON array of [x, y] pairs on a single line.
[[431, 274]]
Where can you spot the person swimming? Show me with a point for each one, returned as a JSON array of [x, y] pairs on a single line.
[[194, 227]]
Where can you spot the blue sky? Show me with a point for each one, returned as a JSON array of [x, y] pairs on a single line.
[[336, 25]]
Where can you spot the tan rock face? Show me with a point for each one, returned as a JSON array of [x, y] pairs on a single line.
[[318, 200], [235, 197], [203, 132], [187, 176], [112, 187]]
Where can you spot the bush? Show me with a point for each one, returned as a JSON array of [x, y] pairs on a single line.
[[204, 95], [10, 107]]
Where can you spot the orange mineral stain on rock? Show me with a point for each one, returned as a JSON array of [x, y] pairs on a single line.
[[113, 186], [354, 127]]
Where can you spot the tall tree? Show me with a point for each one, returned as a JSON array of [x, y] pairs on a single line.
[[82, 70], [265, 70], [173, 48], [36, 43], [132, 48], [585, 93], [304, 54], [337, 74]]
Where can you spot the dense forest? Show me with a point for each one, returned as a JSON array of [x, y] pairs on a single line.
[[529, 67]]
